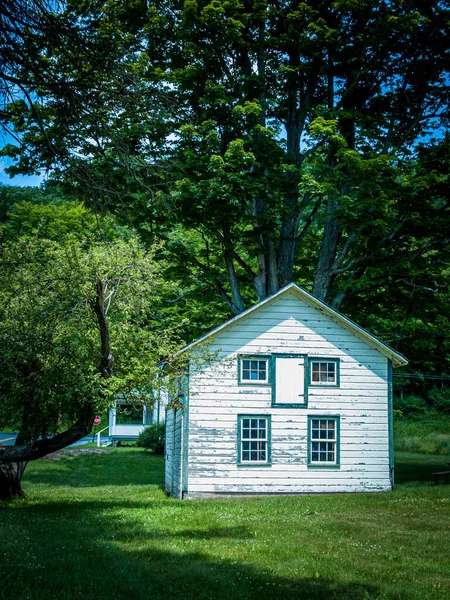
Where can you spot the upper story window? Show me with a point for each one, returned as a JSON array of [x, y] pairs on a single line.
[[254, 370], [324, 372]]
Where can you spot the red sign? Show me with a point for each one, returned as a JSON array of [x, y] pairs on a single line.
[[97, 421]]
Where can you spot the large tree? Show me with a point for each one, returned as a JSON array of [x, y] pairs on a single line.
[[262, 139], [78, 323]]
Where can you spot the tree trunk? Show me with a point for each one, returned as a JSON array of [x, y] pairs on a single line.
[[11, 479], [327, 253]]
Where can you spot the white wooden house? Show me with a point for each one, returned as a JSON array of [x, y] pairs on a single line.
[[298, 399], [127, 420]]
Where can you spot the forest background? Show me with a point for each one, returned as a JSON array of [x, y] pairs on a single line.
[[247, 144]]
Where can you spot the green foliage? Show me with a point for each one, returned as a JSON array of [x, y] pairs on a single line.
[[51, 349], [410, 405], [153, 438], [440, 399], [264, 142], [428, 433], [286, 137]]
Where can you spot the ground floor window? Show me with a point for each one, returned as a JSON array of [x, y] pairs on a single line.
[[323, 441], [253, 440]]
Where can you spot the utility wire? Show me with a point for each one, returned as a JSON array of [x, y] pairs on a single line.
[[417, 376]]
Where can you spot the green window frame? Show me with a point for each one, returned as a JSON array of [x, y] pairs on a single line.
[[320, 371], [323, 441], [254, 366], [254, 447]]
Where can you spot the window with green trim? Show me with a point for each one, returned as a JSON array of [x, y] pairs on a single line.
[[253, 439], [323, 441], [254, 370], [324, 372]]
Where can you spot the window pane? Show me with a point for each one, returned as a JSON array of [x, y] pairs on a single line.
[[323, 440], [254, 370], [254, 440], [323, 372], [129, 415]]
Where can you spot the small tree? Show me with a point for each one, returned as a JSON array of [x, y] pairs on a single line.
[[70, 316]]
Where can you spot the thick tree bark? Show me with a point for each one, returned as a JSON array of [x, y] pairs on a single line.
[[11, 479], [327, 253]]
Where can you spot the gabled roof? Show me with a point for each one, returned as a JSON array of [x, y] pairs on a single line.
[[397, 359]]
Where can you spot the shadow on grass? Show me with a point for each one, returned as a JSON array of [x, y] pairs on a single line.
[[87, 550], [418, 468]]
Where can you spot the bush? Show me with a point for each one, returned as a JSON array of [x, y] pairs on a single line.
[[152, 438], [410, 405], [440, 399]]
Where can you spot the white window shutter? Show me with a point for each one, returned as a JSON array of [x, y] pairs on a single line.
[[289, 380]]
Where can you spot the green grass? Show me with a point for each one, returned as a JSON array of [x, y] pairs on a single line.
[[100, 527], [428, 433]]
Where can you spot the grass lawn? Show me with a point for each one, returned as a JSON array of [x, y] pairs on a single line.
[[100, 527]]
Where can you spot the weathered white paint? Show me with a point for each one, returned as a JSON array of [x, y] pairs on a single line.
[[288, 326], [320, 307]]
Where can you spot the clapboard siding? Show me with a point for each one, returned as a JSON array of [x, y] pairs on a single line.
[[289, 326], [169, 448]]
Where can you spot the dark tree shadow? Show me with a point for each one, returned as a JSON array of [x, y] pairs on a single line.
[[419, 470], [124, 564]]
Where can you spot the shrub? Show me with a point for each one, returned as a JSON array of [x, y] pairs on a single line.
[[440, 399], [410, 405], [152, 438]]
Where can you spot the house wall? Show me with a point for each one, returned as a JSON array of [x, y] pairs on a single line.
[[173, 462], [289, 325]]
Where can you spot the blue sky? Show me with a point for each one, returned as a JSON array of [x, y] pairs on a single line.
[[22, 180]]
